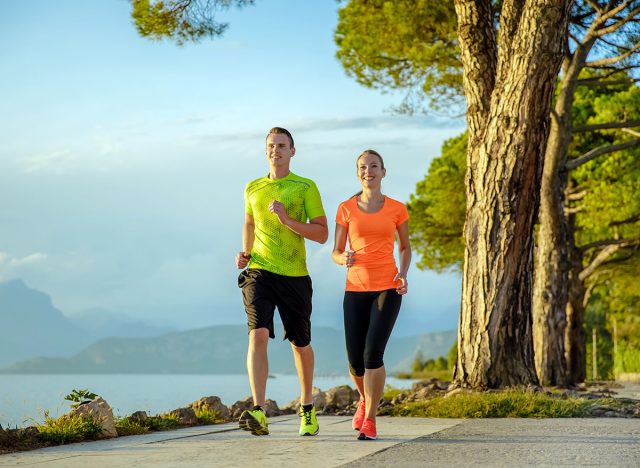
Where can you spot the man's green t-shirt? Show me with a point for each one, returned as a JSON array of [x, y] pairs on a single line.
[[276, 248]]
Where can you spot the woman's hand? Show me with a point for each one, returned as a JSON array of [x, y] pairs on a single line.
[[403, 285], [348, 258]]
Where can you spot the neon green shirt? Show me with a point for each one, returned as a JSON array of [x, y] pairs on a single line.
[[276, 248]]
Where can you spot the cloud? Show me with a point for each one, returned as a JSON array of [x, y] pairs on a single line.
[[56, 158], [3, 257], [31, 259]]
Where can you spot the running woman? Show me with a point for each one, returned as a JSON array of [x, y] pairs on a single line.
[[371, 221], [282, 209]]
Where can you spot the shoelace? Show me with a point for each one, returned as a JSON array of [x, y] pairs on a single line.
[[307, 417]]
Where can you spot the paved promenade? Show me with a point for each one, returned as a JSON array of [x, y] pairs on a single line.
[[404, 442]]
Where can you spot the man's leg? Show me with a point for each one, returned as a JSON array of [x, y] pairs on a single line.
[[258, 364], [304, 361]]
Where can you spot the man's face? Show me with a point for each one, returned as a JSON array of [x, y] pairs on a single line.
[[279, 151]]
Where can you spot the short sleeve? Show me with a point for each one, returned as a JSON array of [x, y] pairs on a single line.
[[403, 214], [313, 202], [342, 216], [247, 204]]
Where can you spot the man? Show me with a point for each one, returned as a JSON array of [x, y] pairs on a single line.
[[281, 210]]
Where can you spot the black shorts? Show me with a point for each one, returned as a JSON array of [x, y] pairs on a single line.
[[263, 291]]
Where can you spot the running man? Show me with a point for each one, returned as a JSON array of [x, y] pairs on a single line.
[[282, 209]]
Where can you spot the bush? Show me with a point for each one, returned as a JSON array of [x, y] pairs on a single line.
[[206, 415], [127, 426], [68, 429]]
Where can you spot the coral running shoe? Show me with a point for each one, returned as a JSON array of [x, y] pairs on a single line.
[[254, 421], [308, 422], [368, 431], [358, 417]]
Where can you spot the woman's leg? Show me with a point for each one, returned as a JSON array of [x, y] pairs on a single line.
[[356, 306], [383, 314]]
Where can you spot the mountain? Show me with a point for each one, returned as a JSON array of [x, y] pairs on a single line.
[[222, 350], [101, 323], [31, 326]]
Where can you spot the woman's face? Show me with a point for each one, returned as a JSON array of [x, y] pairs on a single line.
[[370, 171]]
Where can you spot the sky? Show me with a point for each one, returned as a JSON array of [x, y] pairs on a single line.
[[123, 160]]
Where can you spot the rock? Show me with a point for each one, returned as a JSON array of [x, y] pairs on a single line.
[[186, 416], [101, 412], [319, 401], [270, 408], [341, 397], [139, 417], [214, 403]]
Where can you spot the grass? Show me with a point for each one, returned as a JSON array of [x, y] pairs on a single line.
[[443, 375], [127, 426], [68, 429], [206, 415], [507, 404], [163, 422]]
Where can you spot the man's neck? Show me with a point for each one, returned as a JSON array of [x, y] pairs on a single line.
[[276, 173]]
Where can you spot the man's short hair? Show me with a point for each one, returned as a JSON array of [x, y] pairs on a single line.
[[283, 131]]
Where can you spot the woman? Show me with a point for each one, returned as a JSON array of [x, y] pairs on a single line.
[[374, 290]]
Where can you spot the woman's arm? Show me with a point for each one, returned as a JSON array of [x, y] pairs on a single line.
[[404, 251], [339, 255]]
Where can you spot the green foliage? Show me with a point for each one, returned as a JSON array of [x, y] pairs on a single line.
[[507, 404], [452, 356], [207, 415], [68, 429], [163, 422], [437, 209], [181, 20], [127, 426], [390, 392], [80, 397], [405, 44]]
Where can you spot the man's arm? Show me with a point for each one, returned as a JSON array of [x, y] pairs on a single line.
[[248, 235], [316, 229]]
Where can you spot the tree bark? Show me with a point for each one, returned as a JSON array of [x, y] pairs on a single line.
[[504, 166], [574, 339], [551, 285]]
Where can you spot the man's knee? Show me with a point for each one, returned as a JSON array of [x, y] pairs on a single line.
[[259, 337]]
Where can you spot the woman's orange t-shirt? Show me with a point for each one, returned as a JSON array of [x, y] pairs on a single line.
[[371, 236]]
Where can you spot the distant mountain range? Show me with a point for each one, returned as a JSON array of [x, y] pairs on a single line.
[[35, 338], [31, 326], [222, 350]]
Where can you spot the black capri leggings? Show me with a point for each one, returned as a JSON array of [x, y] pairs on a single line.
[[368, 320]]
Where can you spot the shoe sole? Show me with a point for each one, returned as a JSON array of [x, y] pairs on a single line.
[[365, 437], [249, 423], [309, 434]]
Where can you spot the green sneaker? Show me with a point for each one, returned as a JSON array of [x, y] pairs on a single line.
[[308, 422], [254, 421]]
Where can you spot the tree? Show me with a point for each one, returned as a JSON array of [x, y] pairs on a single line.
[[607, 30], [437, 210], [509, 77], [603, 207], [404, 44], [181, 20]]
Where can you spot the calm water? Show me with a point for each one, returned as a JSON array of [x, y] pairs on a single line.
[[23, 398]]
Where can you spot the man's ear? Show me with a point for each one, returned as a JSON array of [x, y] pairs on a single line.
[[293, 151]]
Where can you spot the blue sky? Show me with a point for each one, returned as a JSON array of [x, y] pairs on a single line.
[[123, 160]]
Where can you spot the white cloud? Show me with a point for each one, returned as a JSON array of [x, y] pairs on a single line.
[[54, 159], [31, 259], [3, 257]]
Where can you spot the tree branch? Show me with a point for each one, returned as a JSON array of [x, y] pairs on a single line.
[[577, 195], [594, 153], [603, 255], [615, 26], [609, 242], [631, 132], [616, 59], [607, 126]]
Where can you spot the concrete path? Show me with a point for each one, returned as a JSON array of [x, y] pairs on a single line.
[[404, 442]]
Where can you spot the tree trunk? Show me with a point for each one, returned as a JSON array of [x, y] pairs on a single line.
[[504, 164], [551, 286], [574, 343]]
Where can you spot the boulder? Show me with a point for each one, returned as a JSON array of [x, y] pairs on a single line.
[[214, 403], [100, 411], [186, 416], [139, 417], [270, 408]]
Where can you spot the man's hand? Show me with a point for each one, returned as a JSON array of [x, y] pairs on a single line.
[[242, 260], [278, 209]]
